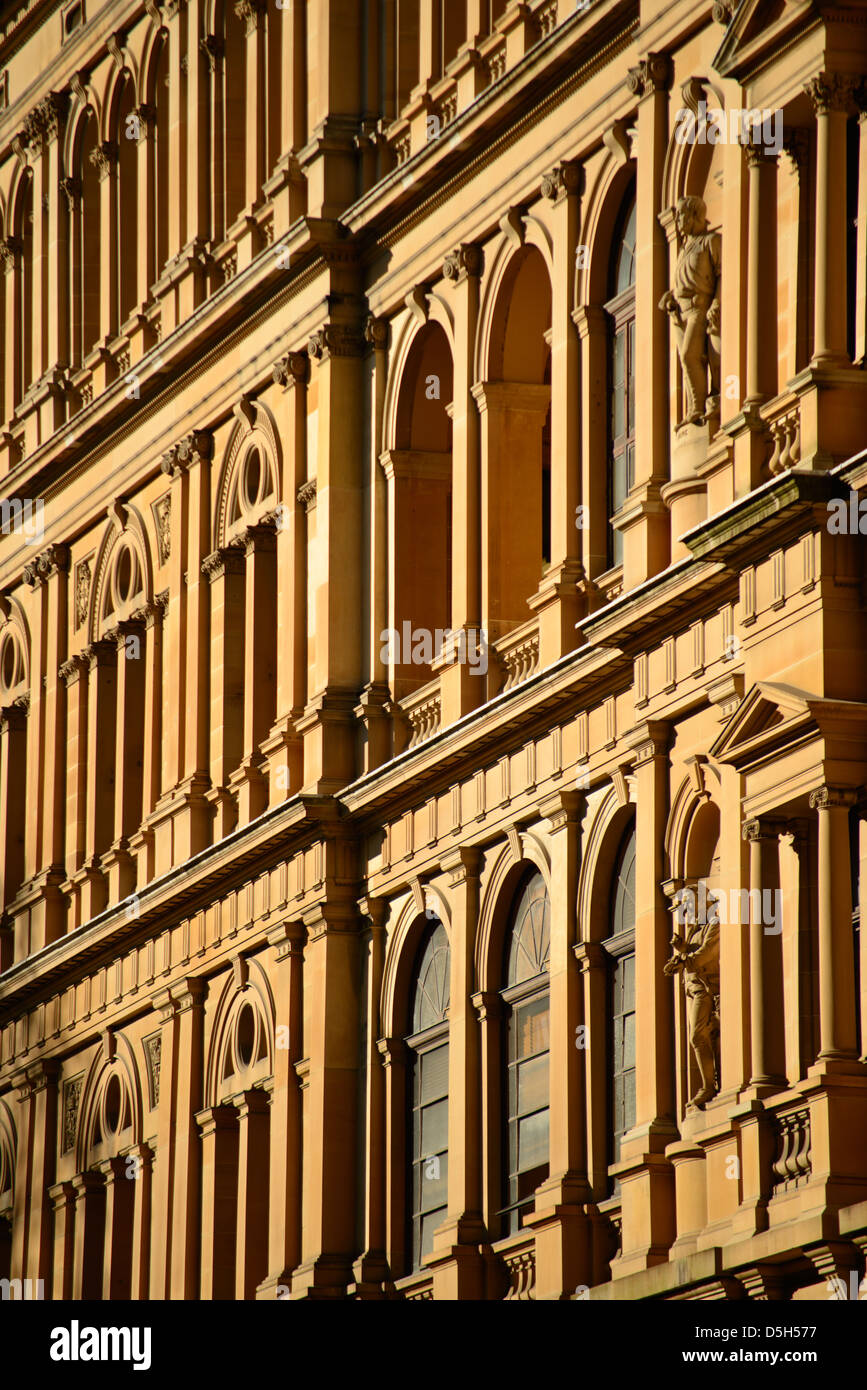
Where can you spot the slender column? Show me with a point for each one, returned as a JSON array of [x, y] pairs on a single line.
[[218, 1126], [563, 1234], [74, 675], [460, 691], [284, 1239], [837, 1035], [393, 1054], [830, 95], [282, 749], [101, 710], [213, 48], [89, 1235], [36, 730], [456, 1262], [225, 570], [62, 1197], [53, 566], [252, 1229], [35, 1159], [129, 737], [260, 657], [141, 1220], [375, 695], [13, 762], [763, 1016], [150, 617], [146, 247], [861, 256], [558, 600], [371, 1269], [592, 962], [761, 276], [104, 158], [117, 1247], [39, 304], [489, 1012], [10, 250], [199, 130], [253, 15], [646, 537], [176, 22], [57, 244]]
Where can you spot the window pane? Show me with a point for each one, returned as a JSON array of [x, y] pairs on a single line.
[[434, 1068], [533, 1141], [533, 1084], [432, 1180], [434, 1128], [530, 1023], [429, 1224]]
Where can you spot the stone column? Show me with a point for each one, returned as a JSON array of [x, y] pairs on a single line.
[[371, 1270], [458, 1268], [375, 696], [142, 841], [89, 1236], [837, 1035], [489, 1012], [146, 244], [646, 1176], [284, 1236], [101, 712], [251, 1246], [73, 674], [331, 1029], [225, 570], [559, 598], [53, 566], [861, 254], [141, 1220], [104, 158], [334, 596], [590, 321], [13, 763], [830, 95], [56, 281], [117, 1248], [593, 965], [646, 532], [764, 985], [761, 277], [460, 691], [62, 1197], [175, 1241], [395, 1059], [130, 734], [34, 1173], [563, 1233], [218, 1127], [261, 641], [10, 250], [253, 15], [282, 749]]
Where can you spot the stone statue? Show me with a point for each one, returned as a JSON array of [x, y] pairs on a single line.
[[694, 306], [696, 953]]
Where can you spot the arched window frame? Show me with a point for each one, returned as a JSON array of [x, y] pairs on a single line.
[[524, 996], [620, 949], [621, 372], [428, 1046]]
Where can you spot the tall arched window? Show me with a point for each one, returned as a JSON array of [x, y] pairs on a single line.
[[621, 426], [526, 1081], [621, 998], [428, 1099]]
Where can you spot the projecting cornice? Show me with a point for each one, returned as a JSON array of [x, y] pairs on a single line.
[[739, 533]]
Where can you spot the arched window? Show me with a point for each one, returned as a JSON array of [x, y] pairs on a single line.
[[621, 425], [526, 1020], [621, 996], [428, 1099]]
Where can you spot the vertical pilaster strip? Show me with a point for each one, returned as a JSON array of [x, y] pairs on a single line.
[[371, 1269], [837, 1035], [251, 1247], [284, 1240], [830, 94]]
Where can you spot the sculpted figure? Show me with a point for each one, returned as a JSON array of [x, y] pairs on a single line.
[[693, 303], [696, 953]]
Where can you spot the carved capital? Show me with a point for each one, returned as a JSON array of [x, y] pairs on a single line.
[[466, 260], [195, 447], [653, 74], [227, 560], [832, 91], [10, 248], [376, 332], [306, 495], [250, 12], [565, 178], [832, 798], [71, 189], [292, 370], [71, 670], [336, 340], [103, 158], [213, 48]]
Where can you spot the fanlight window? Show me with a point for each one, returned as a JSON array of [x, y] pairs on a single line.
[[11, 664], [125, 582], [253, 487], [429, 1085], [527, 1044], [247, 1043]]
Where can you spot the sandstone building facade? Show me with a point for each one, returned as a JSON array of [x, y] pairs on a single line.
[[431, 444]]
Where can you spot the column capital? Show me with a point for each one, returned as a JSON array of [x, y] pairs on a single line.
[[100, 653], [260, 537], [306, 495], [104, 157], [10, 248], [336, 340], [832, 91], [330, 919], [376, 909], [376, 332], [763, 828], [564, 179], [590, 955], [652, 74], [488, 1005], [462, 863], [70, 671], [392, 1050], [291, 370], [250, 13], [759, 156], [828, 798], [467, 260], [215, 1117], [70, 187], [562, 808], [195, 447], [213, 48], [227, 560], [288, 938]]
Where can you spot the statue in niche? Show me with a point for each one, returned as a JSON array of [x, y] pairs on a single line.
[[693, 303], [695, 952]]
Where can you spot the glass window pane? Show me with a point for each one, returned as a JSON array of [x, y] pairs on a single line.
[[530, 1024], [533, 1141], [429, 1224], [533, 1084], [434, 1067], [432, 1184], [434, 1128]]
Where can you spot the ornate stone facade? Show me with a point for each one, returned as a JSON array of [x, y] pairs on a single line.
[[437, 590]]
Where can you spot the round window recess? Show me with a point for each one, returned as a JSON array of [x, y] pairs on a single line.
[[253, 475], [246, 1036], [124, 575], [112, 1106], [9, 664]]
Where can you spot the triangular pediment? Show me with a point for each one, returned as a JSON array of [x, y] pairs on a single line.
[[756, 27], [770, 714]]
